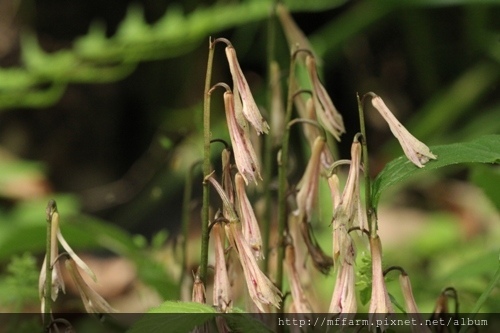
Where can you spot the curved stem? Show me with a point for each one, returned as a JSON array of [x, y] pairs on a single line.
[[310, 122]]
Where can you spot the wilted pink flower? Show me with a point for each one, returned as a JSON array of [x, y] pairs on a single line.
[[57, 281], [380, 304], [241, 89], [325, 110], [348, 208], [417, 152], [299, 297], [308, 185], [55, 234], [199, 294], [221, 289], [244, 154], [92, 301], [411, 305], [261, 289], [250, 226], [344, 293]]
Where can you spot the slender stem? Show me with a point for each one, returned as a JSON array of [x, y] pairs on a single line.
[[268, 141], [206, 167], [282, 171], [370, 211], [47, 297], [188, 189]]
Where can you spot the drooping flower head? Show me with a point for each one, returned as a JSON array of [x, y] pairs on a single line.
[[380, 304], [244, 154], [250, 226], [92, 301], [416, 151], [243, 94], [326, 111]]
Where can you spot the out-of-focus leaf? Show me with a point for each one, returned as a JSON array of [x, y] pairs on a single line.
[[485, 149], [488, 179], [89, 233], [174, 317]]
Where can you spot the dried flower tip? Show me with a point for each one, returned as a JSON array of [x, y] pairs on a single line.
[[251, 230], [416, 151], [325, 110], [244, 153], [92, 301], [250, 109], [321, 261]]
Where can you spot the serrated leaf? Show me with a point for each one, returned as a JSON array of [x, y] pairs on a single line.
[[482, 150], [174, 317]]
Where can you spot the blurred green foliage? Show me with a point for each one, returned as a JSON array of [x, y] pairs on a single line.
[[456, 103]]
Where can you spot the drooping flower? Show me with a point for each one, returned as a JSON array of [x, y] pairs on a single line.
[[221, 288], [347, 210], [56, 235], [380, 304], [411, 305], [242, 93], [299, 298], [344, 293], [326, 111], [250, 226], [416, 151], [244, 154], [262, 291], [57, 281], [308, 185], [92, 301]]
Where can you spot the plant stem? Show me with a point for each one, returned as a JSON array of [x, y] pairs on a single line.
[[206, 167], [268, 141], [188, 189], [282, 172], [370, 211], [47, 296]]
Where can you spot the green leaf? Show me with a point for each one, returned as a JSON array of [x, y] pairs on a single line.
[[239, 321], [182, 317], [482, 150]]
